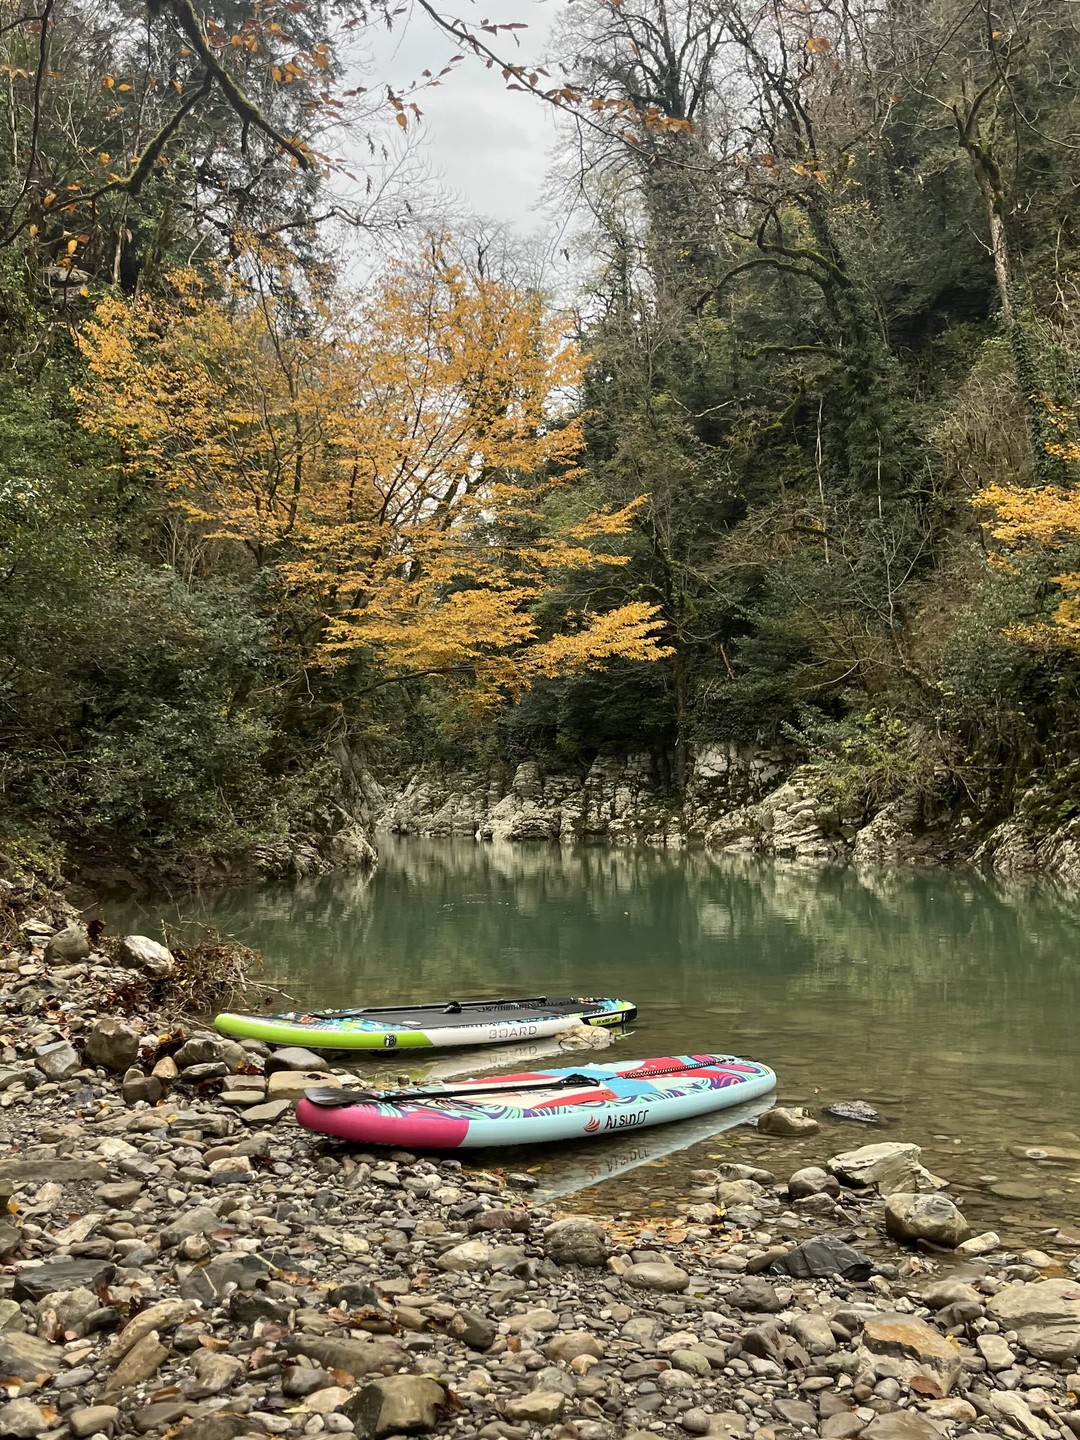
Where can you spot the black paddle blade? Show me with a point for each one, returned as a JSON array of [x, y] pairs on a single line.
[[333, 1097]]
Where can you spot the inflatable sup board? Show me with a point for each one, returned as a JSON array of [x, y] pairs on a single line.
[[544, 1105], [400, 1027]]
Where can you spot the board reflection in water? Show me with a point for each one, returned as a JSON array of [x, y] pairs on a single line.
[[575, 1168]]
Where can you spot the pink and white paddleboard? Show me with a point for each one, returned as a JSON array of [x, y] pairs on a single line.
[[587, 1102]]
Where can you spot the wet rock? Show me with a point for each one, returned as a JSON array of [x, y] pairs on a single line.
[[925, 1217], [1046, 1315], [68, 945], [113, 1044], [147, 955], [294, 1057], [1017, 1190], [1050, 1154], [980, 1244], [577, 1240], [817, 1259], [856, 1110], [396, 1405], [58, 1060], [21, 1419], [26, 1356], [916, 1348], [812, 1180], [783, 1121], [892, 1166], [657, 1275]]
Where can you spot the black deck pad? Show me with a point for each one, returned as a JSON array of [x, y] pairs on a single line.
[[453, 1013]]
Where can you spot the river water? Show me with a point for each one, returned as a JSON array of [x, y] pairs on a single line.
[[948, 1003]]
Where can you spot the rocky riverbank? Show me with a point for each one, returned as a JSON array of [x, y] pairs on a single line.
[[180, 1259]]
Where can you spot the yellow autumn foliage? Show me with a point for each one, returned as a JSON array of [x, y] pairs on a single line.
[[400, 464], [1043, 519]]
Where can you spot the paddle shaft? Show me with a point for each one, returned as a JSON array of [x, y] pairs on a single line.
[[437, 1009], [464, 1092]]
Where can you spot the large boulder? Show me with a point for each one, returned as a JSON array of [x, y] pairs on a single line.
[[925, 1217], [1046, 1315], [113, 1044], [892, 1166], [142, 953]]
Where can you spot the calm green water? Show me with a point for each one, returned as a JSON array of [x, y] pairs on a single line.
[[949, 1004]]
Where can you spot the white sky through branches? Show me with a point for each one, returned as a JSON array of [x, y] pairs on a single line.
[[489, 145]]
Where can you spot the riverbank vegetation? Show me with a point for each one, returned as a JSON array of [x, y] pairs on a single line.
[[794, 463]]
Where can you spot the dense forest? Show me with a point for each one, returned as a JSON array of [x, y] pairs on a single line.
[[292, 469]]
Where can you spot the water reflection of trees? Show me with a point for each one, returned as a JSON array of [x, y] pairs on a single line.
[[689, 931]]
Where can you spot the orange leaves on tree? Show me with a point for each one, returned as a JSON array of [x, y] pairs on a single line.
[[404, 465]]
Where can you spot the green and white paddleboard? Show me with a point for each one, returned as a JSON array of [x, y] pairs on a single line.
[[401, 1027]]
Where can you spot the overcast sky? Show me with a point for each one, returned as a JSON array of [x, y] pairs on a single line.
[[489, 145]]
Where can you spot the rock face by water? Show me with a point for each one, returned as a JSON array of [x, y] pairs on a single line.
[[737, 800]]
